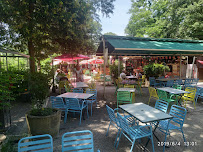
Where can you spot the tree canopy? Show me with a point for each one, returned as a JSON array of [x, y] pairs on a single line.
[[110, 33], [46, 27], [166, 19]]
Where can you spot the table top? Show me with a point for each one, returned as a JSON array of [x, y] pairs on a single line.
[[168, 79], [126, 89], [80, 85], [131, 77], [145, 113], [75, 95], [128, 82], [172, 90]]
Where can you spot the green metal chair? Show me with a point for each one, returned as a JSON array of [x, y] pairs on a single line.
[[124, 97], [163, 96]]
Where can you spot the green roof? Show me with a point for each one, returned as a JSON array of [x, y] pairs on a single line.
[[120, 45]]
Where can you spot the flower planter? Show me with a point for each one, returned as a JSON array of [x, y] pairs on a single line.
[[38, 125]]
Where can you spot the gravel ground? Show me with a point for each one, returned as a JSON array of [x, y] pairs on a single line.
[[98, 124]]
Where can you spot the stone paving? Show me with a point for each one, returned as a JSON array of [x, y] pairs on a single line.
[[98, 124]]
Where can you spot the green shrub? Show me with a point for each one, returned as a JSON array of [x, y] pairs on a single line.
[[114, 70], [155, 70]]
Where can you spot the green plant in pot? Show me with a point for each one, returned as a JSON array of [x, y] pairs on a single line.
[[41, 120]]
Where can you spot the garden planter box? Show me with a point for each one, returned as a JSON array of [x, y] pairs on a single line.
[[38, 125]]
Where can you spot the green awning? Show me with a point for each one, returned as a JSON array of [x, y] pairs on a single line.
[[120, 45]]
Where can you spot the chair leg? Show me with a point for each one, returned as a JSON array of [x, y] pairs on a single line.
[[166, 136], [152, 142], [183, 135], [133, 143], [194, 103], [116, 138], [149, 100], [119, 139], [108, 129], [80, 117], [91, 108], [87, 111], [66, 113]]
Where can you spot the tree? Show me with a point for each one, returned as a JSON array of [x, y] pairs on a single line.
[[45, 27], [110, 33], [166, 19]]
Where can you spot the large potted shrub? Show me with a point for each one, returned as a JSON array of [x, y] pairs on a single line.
[[114, 71], [41, 120], [155, 70]]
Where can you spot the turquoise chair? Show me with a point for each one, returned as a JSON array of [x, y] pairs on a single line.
[[77, 90], [152, 81], [176, 123], [161, 105], [36, 143], [93, 98], [169, 83], [74, 105], [124, 97], [78, 141], [199, 94], [113, 118], [163, 96], [57, 102], [132, 133]]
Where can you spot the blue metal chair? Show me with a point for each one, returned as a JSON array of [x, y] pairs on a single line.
[[134, 132], [176, 123], [152, 81], [188, 82], [78, 141], [77, 90], [36, 143], [199, 94], [113, 118], [195, 81], [169, 83], [93, 98], [178, 82], [161, 105], [57, 102], [161, 77], [74, 105]]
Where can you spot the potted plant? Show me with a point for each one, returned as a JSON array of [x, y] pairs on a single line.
[[41, 120]]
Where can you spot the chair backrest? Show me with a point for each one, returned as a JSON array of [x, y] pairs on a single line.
[[111, 114], [152, 92], [161, 77], [176, 86], [72, 103], [195, 80], [118, 81], [57, 102], [169, 83], [129, 86], [78, 90], [199, 91], [92, 91], [152, 80], [161, 105], [123, 124], [178, 114], [188, 81], [78, 141], [192, 93], [124, 96], [178, 82], [162, 94], [36, 143]]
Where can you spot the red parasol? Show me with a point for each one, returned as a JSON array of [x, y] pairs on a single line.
[[69, 57], [97, 61]]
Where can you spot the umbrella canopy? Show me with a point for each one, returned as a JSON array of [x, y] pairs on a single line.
[[55, 62], [92, 61], [69, 57], [97, 61]]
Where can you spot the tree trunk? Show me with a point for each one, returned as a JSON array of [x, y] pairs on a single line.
[[32, 56]]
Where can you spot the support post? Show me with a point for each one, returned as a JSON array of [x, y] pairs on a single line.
[[180, 66], [119, 65], [53, 87], [193, 62], [105, 53]]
